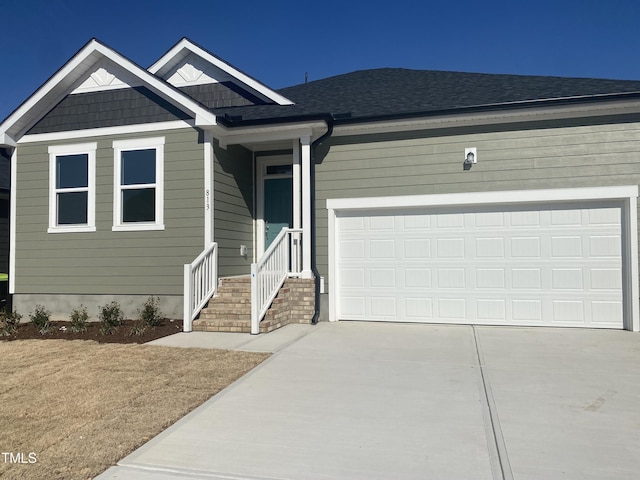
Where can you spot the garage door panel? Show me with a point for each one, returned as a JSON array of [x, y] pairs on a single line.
[[546, 266]]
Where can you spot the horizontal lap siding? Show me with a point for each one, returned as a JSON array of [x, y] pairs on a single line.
[[107, 262], [233, 209], [580, 156]]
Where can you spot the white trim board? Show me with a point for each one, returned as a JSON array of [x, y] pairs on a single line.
[[627, 194], [513, 197], [106, 131]]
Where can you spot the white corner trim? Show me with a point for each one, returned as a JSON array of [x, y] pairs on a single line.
[[632, 277], [209, 155], [106, 131], [333, 291], [485, 198], [12, 223]]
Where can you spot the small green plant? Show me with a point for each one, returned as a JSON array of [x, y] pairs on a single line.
[[79, 317], [9, 322], [41, 319], [111, 317], [150, 313], [139, 328]]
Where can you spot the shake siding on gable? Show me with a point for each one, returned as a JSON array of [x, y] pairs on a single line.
[[233, 209], [431, 163], [107, 262]]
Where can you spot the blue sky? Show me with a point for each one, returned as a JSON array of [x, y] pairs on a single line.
[[278, 41]]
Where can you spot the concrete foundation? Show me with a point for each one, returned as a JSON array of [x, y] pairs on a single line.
[[61, 306]]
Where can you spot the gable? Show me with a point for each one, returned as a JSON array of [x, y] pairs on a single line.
[[188, 65], [98, 67]]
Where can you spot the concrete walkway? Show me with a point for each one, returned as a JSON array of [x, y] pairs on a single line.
[[382, 401]]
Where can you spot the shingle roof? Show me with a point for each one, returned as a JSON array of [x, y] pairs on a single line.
[[392, 92]]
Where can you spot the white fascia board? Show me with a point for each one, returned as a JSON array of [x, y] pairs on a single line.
[[48, 94], [66, 79], [177, 53], [511, 197], [517, 114]]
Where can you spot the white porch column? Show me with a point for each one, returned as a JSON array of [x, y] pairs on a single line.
[[297, 222], [209, 157], [305, 143]]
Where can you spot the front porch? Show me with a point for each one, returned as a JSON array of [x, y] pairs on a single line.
[[280, 287]]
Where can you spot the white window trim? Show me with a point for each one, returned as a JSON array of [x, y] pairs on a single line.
[[119, 146], [60, 150]]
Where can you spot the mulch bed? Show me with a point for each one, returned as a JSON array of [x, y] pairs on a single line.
[[123, 334]]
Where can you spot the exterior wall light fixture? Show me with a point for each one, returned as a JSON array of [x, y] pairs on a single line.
[[470, 156]]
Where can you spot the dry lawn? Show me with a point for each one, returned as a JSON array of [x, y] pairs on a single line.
[[80, 406]]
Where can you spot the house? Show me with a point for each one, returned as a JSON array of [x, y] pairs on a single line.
[[399, 195]]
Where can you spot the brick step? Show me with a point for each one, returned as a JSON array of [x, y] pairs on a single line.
[[230, 309], [244, 279], [221, 312], [237, 326], [230, 299]]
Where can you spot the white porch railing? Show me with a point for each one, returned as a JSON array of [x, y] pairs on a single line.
[[200, 283], [281, 260]]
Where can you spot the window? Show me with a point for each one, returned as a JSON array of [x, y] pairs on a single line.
[[72, 202], [138, 184]]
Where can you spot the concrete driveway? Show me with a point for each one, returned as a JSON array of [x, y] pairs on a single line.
[[395, 401]]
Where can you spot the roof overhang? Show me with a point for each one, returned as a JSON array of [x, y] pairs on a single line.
[[73, 73], [260, 137], [491, 115]]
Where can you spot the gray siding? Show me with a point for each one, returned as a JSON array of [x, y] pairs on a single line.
[[424, 163], [127, 106], [106, 262], [233, 209], [221, 94]]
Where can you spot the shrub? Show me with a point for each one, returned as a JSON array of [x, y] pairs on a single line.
[[150, 313], [79, 317], [9, 322], [138, 328], [41, 319], [111, 317]]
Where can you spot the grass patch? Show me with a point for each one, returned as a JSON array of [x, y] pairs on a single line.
[[80, 406]]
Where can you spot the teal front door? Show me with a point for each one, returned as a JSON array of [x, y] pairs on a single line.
[[278, 207]]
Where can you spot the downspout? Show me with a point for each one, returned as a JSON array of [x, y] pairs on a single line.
[[329, 120]]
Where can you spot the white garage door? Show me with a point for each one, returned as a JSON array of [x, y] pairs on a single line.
[[558, 265]]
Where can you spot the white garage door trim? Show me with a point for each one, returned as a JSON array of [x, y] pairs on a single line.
[[627, 195]]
